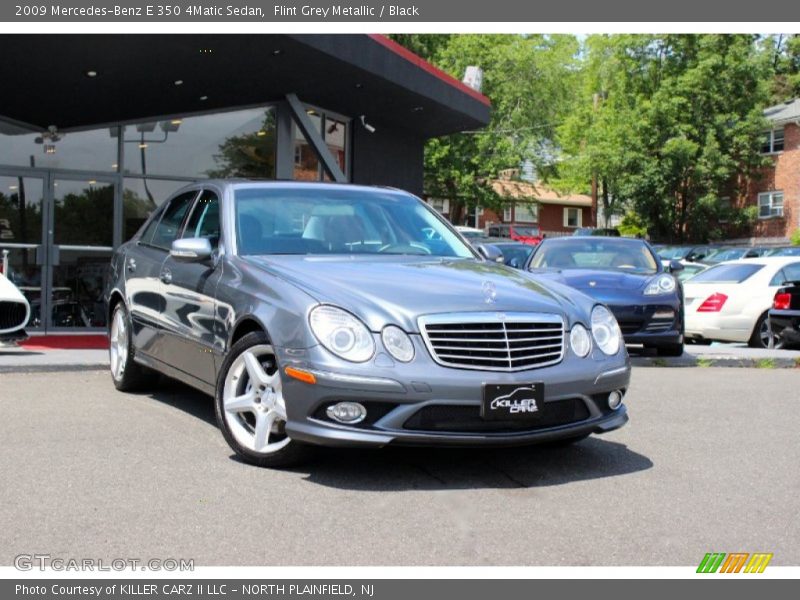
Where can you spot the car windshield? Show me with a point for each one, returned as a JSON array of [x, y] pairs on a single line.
[[515, 252], [673, 252], [794, 251], [331, 220], [605, 254], [728, 254], [730, 273], [526, 231]]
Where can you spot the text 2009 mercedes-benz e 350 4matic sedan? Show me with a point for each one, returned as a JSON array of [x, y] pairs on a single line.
[[329, 314]]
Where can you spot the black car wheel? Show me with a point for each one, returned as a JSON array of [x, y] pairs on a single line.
[[250, 407]]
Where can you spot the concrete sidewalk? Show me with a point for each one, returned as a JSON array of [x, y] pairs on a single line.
[[720, 355], [15, 360]]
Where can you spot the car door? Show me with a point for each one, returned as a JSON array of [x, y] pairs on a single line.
[[190, 290], [144, 293]]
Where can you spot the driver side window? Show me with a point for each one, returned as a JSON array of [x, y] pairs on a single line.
[[204, 221]]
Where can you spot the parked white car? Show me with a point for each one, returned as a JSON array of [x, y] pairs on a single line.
[[730, 301], [14, 312]]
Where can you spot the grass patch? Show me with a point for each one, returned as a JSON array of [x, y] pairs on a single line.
[[765, 363], [704, 362]]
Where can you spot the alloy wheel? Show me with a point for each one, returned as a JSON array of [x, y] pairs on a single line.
[[253, 403], [118, 345]]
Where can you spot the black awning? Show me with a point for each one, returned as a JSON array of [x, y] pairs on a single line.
[[46, 82]]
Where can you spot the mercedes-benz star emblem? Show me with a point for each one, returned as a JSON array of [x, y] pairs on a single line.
[[489, 292]]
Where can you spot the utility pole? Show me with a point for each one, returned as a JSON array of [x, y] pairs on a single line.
[[595, 104]]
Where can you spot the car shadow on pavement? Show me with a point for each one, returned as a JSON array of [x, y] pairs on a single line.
[[182, 397], [412, 468], [398, 468]]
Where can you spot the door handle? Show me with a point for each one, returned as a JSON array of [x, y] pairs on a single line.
[[166, 276]]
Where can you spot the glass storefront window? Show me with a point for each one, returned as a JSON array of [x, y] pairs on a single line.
[[306, 163], [20, 210], [336, 140], [83, 213], [231, 144], [94, 150], [140, 197]]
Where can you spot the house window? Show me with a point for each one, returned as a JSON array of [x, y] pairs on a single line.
[[440, 205], [724, 209], [507, 213], [772, 142], [526, 213], [770, 204], [572, 217]]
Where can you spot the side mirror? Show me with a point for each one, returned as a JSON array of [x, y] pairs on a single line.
[[490, 252], [675, 266], [191, 249], [514, 262]]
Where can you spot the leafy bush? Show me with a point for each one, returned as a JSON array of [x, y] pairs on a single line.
[[795, 239]]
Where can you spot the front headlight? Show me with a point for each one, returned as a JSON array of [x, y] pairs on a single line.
[[342, 333], [605, 330], [397, 343], [663, 284], [579, 340]]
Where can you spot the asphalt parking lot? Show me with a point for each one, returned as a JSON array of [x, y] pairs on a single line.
[[709, 462]]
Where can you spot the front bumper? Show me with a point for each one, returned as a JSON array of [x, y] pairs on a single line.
[[654, 324], [424, 403]]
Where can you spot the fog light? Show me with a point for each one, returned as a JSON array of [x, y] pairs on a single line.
[[347, 412], [614, 400]]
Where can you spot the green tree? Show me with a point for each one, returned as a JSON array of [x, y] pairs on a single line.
[[529, 80], [680, 124]]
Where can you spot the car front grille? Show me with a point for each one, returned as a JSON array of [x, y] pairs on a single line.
[[494, 341], [12, 315]]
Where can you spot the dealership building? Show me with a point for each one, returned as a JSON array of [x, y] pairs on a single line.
[[97, 130]]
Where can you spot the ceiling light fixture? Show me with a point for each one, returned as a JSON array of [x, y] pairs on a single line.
[[203, 98], [179, 82], [91, 74]]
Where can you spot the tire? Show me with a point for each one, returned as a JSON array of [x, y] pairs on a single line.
[[670, 350], [127, 375], [250, 408], [762, 334]]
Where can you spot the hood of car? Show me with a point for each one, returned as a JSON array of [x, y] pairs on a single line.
[[9, 292], [589, 279], [397, 290]]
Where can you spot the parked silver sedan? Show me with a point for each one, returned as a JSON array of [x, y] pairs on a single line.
[[325, 314]]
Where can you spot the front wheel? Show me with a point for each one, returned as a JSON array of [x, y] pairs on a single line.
[[250, 407]]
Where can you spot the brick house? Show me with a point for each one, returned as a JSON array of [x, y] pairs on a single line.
[[528, 202], [776, 192]]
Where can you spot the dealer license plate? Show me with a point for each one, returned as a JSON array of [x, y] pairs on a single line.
[[511, 402]]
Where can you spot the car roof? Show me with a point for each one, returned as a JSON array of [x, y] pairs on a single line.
[[763, 260], [243, 183]]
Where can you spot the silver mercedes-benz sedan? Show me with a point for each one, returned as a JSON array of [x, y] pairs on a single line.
[[327, 314]]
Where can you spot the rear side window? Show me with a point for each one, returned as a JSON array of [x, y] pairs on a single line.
[[735, 273], [169, 225], [788, 273]]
